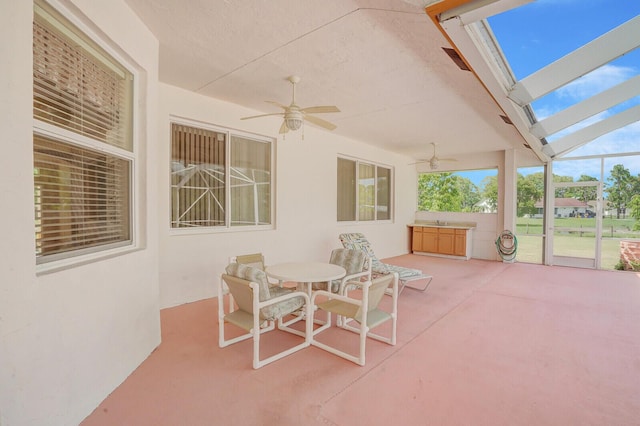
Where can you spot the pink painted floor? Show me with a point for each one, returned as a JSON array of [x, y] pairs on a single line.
[[487, 344]]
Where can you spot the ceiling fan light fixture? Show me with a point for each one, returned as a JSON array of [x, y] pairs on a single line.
[[293, 123], [434, 163], [294, 116]]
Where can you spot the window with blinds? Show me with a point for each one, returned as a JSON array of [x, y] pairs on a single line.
[[77, 86], [219, 178], [83, 174], [364, 191]]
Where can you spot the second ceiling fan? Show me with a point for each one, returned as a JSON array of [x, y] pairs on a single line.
[[434, 161], [294, 116]]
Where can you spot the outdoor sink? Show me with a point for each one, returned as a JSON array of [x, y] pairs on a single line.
[[445, 224], [432, 223]]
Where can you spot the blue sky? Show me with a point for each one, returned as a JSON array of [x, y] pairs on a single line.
[[538, 33]]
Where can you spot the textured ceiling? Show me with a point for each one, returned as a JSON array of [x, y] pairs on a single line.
[[380, 61]]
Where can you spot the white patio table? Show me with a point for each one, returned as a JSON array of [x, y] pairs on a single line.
[[306, 272]]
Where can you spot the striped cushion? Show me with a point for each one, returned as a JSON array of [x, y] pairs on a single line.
[[359, 242], [255, 275], [266, 291]]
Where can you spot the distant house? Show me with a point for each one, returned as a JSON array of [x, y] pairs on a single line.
[[608, 210], [565, 207]]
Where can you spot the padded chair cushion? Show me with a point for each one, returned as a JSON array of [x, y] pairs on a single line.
[[280, 309], [255, 275], [351, 260], [266, 291]]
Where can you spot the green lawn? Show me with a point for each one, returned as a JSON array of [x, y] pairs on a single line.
[[611, 227], [570, 240], [530, 249]]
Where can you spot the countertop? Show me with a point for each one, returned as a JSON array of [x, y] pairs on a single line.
[[443, 224]]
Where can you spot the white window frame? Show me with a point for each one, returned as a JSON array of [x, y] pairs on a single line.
[[79, 257], [358, 162], [229, 132]]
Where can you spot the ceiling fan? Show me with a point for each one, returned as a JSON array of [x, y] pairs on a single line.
[[434, 161], [294, 115]]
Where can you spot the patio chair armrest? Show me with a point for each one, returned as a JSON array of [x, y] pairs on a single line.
[[353, 279], [277, 299], [346, 285], [335, 296]]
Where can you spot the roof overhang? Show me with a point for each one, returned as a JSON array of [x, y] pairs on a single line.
[[465, 24]]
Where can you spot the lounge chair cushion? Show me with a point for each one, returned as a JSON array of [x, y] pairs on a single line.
[[404, 273], [359, 241]]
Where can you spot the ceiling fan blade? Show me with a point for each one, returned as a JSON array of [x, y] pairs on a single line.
[[319, 122], [283, 128], [277, 104], [261, 115], [320, 109]]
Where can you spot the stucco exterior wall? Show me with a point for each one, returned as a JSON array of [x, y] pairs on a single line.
[[68, 338], [306, 192]]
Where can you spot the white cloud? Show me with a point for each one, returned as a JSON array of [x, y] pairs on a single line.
[[595, 82], [623, 140]]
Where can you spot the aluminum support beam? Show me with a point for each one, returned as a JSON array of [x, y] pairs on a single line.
[[587, 108], [587, 134]]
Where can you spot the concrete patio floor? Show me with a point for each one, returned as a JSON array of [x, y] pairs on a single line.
[[488, 343]]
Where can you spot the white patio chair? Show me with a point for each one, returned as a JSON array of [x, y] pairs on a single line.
[[261, 307], [365, 311]]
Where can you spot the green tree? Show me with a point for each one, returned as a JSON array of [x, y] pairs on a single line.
[[470, 194], [620, 186], [634, 207], [563, 192], [489, 191], [537, 180], [439, 192], [585, 193], [528, 192]]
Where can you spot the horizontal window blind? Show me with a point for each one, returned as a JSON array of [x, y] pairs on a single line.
[[82, 177], [346, 190], [198, 177], [81, 198], [365, 191], [75, 89], [250, 182]]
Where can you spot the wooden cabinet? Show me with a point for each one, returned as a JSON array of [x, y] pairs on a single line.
[[430, 240], [445, 241], [460, 242], [416, 239]]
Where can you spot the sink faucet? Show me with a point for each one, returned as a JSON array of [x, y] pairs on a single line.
[[437, 221]]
